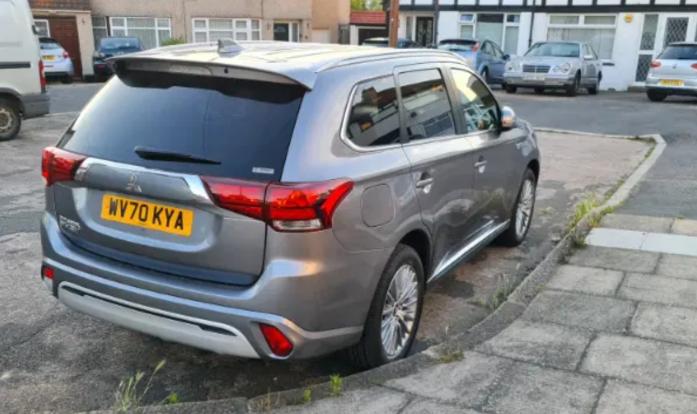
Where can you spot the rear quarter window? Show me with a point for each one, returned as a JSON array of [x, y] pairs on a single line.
[[374, 115], [245, 126]]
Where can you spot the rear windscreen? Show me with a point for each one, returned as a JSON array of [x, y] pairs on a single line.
[[242, 128], [680, 52]]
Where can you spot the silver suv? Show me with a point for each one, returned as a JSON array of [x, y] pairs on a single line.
[[280, 201]]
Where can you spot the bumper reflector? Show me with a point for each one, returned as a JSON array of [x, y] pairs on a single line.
[[280, 345], [46, 272]]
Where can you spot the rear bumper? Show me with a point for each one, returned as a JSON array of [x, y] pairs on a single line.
[[35, 105], [218, 318], [689, 88]]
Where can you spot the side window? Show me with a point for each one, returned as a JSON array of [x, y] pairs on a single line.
[[374, 117], [486, 48], [426, 104], [477, 103]]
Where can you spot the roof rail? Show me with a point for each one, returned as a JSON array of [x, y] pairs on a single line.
[[379, 56]]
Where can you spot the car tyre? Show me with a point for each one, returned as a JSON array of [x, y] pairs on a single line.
[[521, 216], [403, 273], [572, 90], [510, 88], [485, 75], [656, 96], [593, 90], [10, 119], [67, 80]]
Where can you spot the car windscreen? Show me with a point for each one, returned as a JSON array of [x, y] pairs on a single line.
[[680, 52], [457, 46], [570, 50], [49, 44], [241, 128], [119, 43]]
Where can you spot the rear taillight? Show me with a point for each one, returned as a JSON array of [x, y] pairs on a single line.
[[47, 272], [66, 55], [280, 345], [475, 47], [655, 63], [59, 165], [42, 76], [297, 207], [694, 66]]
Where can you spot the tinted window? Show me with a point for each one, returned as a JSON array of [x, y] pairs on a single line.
[[374, 118], [682, 52], [457, 46], [426, 104], [47, 44], [477, 103], [119, 43], [244, 126]]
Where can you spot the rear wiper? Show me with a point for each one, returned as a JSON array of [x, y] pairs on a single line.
[[162, 155]]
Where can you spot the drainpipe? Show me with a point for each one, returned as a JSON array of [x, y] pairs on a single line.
[[436, 8], [532, 25]]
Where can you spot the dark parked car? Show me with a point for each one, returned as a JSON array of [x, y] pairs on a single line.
[[269, 201], [110, 47], [485, 57], [402, 43]]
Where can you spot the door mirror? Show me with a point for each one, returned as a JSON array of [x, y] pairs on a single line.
[[506, 57], [508, 118], [589, 57]]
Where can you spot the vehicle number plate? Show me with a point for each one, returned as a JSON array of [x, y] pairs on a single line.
[[152, 216], [48, 58], [534, 76], [671, 82]]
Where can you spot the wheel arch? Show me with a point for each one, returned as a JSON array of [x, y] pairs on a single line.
[[419, 240]]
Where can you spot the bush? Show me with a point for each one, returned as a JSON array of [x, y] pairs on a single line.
[[173, 41]]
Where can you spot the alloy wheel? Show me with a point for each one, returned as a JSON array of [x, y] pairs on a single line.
[[526, 203], [399, 311]]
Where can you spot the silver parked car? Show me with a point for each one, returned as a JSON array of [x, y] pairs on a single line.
[[559, 65], [275, 200], [673, 72], [57, 62]]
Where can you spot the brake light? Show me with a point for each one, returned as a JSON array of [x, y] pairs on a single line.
[[297, 207], [280, 345], [655, 63], [42, 76], [694, 66], [66, 55], [59, 165]]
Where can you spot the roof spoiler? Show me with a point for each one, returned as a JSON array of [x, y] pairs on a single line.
[[148, 63]]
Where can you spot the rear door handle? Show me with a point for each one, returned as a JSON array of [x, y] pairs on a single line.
[[479, 164], [424, 182]]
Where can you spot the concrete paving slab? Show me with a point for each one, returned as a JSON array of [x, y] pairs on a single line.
[[617, 259], [671, 265], [422, 406], [666, 323], [591, 280], [376, 400], [644, 361], [637, 223], [531, 389], [625, 398], [584, 311], [659, 289], [622, 239], [466, 382], [670, 243], [647, 242], [545, 344], [684, 226]]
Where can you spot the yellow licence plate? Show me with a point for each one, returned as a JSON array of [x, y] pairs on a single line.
[[671, 82], [147, 215], [48, 57]]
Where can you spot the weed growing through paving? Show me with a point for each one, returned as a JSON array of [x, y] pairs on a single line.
[[265, 404], [448, 356], [307, 396], [336, 385], [130, 396]]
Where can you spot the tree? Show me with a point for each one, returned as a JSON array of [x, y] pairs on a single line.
[[366, 5]]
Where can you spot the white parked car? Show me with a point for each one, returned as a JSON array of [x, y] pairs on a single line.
[[57, 62], [673, 72], [22, 80]]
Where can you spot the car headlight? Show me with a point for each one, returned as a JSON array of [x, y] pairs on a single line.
[[563, 68], [512, 67]]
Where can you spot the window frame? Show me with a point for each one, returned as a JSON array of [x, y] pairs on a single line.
[[125, 27], [249, 31], [506, 24], [581, 25], [48, 27]]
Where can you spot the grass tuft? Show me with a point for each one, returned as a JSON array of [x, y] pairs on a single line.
[[130, 395], [336, 385]]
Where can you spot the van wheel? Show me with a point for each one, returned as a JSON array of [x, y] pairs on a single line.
[[10, 120], [522, 212], [394, 313]]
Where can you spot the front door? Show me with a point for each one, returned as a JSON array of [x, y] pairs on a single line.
[[438, 158], [286, 31], [424, 31]]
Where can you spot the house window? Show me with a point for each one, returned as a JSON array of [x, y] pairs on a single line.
[[42, 28], [99, 29], [286, 31], [596, 30], [503, 29], [210, 30], [151, 31]]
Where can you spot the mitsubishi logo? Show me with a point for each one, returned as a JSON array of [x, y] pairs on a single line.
[[132, 185]]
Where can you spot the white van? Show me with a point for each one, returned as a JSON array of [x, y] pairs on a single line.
[[22, 80]]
